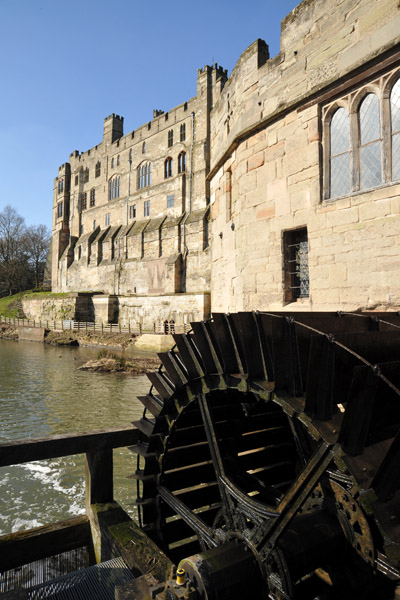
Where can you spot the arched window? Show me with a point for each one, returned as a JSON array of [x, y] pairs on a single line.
[[370, 142], [98, 169], [340, 153], [114, 187], [395, 120], [182, 162], [144, 175], [183, 132], [168, 168], [170, 138]]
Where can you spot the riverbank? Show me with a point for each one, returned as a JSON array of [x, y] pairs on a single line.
[[120, 341]]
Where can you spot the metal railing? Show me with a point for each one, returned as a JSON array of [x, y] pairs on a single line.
[[158, 327]]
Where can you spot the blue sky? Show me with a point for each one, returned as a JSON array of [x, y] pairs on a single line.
[[66, 65]]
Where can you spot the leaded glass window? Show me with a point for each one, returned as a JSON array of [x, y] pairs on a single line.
[[340, 153], [370, 143], [144, 175], [395, 118]]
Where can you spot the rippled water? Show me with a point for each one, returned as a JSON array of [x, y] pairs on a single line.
[[43, 393]]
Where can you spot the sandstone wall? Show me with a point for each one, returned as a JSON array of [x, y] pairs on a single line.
[[267, 165], [52, 308]]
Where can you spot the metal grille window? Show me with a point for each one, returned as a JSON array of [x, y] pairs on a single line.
[[340, 153], [147, 208], [297, 282], [61, 186], [97, 169], [395, 123], [92, 197], [370, 143], [86, 175], [59, 210], [170, 138]]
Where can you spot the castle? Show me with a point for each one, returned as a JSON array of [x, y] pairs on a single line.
[[276, 188]]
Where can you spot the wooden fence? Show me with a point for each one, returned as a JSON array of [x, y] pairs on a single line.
[[24, 547]]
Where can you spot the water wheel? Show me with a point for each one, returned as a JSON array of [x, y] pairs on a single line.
[[269, 464]]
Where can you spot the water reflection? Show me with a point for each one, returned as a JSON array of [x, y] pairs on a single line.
[[43, 393]]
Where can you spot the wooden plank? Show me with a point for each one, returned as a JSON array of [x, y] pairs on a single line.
[[20, 451], [20, 548], [99, 477]]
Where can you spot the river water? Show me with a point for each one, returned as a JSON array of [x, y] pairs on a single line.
[[43, 393]]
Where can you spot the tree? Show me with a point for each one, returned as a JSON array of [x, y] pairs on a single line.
[[12, 256], [37, 240], [23, 252]]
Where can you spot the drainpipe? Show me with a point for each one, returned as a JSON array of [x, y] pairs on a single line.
[[129, 190]]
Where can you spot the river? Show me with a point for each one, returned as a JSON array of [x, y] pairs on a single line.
[[42, 393]]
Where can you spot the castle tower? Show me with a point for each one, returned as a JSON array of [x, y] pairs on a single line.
[[113, 128]]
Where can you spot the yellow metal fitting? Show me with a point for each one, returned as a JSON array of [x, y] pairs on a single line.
[[180, 576]]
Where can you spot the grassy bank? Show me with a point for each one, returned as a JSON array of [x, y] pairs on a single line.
[[9, 305]]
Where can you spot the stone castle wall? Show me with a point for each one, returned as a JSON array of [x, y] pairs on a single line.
[[131, 214], [266, 214], [270, 165]]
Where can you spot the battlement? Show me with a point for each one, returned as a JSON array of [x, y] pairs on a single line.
[[157, 113], [114, 117], [113, 127], [219, 71]]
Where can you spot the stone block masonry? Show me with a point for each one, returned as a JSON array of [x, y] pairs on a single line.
[[130, 215], [276, 188], [291, 240]]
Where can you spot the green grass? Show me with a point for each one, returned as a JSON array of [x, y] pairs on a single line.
[[12, 312], [5, 311], [30, 294]]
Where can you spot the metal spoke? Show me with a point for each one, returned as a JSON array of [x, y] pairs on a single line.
[[202, 530], [296, 496], [227, 503]]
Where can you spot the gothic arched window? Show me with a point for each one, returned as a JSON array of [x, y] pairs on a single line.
[[340, 153], [182, 162], [168, 168], [395, 122], [114, 187], [370, 142]]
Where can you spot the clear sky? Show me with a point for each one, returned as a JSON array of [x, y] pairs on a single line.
[[65, 65]]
